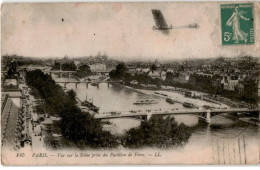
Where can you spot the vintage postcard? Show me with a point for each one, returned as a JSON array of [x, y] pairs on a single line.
[[130, 83]]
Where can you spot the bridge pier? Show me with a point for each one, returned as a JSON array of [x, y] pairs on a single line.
[[148, 116], [144, 118], [69, 75], [76, 85], [206, 117]]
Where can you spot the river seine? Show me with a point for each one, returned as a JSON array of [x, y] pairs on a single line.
[[227, 139]]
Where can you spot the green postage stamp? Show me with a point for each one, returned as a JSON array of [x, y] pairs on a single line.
[[237, 24]]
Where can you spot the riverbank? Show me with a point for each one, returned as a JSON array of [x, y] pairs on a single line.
[[212, 98], [176, 96]]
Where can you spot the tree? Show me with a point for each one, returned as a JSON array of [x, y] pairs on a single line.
[[84, 67], [72, 95], [56, 66], [121, 69], [153, 67], [83, 71], [11, 69], [169, 77], [68, 66], [119, 72], [158, 131]]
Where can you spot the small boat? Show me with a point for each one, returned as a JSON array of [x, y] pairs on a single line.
[[95, 109], [115, 113], [146, 101], [188, 94], [206, 107], [90, 105], [94, 84], [188, 105], [170, 100], [107, 122], [164, 94]]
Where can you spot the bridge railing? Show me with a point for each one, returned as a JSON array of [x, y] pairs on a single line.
[[175, 110]]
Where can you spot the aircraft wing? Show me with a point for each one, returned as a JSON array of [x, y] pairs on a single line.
[[158, 18]]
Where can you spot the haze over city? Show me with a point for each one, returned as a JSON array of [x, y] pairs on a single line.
[[121, 30]]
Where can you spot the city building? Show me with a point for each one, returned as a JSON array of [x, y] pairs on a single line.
[[98, 67], [12, 121]]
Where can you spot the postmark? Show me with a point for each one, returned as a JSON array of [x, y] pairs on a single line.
[[237, 24]]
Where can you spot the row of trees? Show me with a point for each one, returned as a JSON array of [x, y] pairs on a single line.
[[196, 82], [120, 73], [68, 66], [205, 84], [77, 126]]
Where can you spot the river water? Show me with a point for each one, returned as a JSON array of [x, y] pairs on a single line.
[[226, 140]]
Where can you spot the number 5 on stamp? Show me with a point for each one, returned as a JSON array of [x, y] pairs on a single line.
[[237, 24]]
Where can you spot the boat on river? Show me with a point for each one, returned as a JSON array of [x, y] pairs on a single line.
[[146, 101], [170, 100], [115, 113], [206, 107], [94, 84], [188, 105], [90, 105]]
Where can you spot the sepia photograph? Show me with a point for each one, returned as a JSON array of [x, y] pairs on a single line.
[[130, 83]]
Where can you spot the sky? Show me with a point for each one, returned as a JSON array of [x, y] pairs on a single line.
[[120, 30]]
